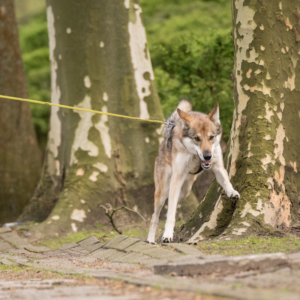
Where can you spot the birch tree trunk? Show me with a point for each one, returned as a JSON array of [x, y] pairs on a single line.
[[99, 60], [262, 156], [20, 158]]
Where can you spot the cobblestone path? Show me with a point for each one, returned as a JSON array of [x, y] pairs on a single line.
[[173, 266]]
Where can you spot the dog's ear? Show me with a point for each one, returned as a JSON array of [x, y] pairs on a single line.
[[214, 115], [184, 116]]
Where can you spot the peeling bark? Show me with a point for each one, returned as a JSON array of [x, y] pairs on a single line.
[[262, 153], [20, 158], [97, 62]]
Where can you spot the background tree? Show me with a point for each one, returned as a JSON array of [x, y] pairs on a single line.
[[20, 158], [262, 155], [99, 60]]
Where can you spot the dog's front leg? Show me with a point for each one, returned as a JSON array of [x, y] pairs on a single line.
[[223, 180], [222, 177], [174, 194]]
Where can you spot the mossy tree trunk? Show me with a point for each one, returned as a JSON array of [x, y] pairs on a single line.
[[262, 156], [99, 60], [20, 158]]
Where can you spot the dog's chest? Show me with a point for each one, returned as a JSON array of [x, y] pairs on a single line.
[[190, 164], [195, 165]]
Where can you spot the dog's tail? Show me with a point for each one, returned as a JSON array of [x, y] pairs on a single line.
[[186, 106]]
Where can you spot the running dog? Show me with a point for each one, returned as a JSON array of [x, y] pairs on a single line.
[[191, 144]]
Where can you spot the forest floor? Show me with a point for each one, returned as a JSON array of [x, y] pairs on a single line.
[[59, 283], [100, 264], [242, 246]]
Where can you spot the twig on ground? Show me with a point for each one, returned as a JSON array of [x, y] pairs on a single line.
[[110, 211], [35, 251], [103, 236]]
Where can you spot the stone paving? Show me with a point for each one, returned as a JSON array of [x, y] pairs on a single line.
[[170, 266]]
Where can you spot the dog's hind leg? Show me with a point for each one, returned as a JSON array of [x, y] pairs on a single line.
[[162, 185]]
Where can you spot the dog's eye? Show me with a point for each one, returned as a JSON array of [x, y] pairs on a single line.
[[212, 137], [197, 139]]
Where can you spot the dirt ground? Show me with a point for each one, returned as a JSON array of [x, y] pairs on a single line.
[[116, 288]]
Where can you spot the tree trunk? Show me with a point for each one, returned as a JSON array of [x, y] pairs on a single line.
[[99, 60], [262, 156], [20, 158]]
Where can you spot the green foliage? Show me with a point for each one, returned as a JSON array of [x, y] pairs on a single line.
[[25, 9], [167, 21], [197, 69], [191, 51], [35, 52]]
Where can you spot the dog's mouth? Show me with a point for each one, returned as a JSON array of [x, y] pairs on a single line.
[[205, 164]]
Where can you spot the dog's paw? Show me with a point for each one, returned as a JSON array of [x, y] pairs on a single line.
[[151, 243], [166, 239], [151, 240], [233, 194], [168, 234]]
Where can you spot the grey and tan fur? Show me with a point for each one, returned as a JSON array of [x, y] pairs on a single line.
[[191, 143]]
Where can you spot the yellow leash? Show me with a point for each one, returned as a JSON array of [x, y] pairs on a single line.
[[82, 109]]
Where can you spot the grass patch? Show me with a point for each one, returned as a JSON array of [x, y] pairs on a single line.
[[12, 268], [104, 234], [19, 272], [251, 245]]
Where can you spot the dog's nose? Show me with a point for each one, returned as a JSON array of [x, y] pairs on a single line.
[[207, 156]]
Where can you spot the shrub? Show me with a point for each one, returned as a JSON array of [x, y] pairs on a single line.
[[197, 69]]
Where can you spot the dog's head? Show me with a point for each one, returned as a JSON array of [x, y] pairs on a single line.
[[201, 133]]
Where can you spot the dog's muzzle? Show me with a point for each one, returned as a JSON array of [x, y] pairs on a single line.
[[205, 164]]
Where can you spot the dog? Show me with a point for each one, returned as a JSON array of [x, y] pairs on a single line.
[[191, 144]]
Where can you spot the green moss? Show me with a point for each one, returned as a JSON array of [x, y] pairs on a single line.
[[251, 245], [202, 213]]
